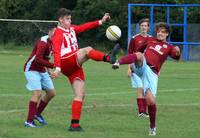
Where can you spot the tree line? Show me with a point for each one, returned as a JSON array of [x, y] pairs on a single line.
[[82, 11]]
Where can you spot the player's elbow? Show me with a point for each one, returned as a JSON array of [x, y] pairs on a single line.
[[139, 56], [38, 60], [177, 57], [176, 54]]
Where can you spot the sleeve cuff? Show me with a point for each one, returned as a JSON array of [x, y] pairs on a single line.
[[100, 22], [58, 69]]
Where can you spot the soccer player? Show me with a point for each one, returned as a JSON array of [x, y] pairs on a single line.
[[68, 58], [38, 77], [148, 66], [136, 82]]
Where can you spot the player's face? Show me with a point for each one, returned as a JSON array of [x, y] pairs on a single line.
[[144, 27], [65, 21], [162, 34]]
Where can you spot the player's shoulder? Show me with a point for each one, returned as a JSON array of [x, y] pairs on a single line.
[[72, 26], [58, 32], [169, 45], [42, 41], [150, 36], [135, 36], [44, 38], [60, 29], [152, 39]]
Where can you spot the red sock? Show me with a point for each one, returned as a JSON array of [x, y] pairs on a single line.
[[76, 113], [152, 115], [128, 59], [141, 102], [32, 111], [41, 107], [96, 55]]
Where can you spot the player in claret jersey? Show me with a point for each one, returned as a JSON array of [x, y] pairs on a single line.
[[148, 66], [36, 73], [137, 41], [68, 58]]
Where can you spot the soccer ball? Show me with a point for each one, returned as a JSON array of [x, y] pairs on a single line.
[[113, 33]]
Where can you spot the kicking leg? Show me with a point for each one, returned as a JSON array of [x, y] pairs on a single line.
[[89, 53], [136, 58]]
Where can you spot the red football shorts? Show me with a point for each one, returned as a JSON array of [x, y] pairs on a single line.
[[72, 69]]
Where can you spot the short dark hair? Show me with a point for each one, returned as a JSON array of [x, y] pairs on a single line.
[[63, 12], [51, 27], [163, 25], [144, 20]]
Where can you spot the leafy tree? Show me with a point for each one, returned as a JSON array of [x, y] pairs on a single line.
[[83, 11]]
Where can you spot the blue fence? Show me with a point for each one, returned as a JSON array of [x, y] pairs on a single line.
[[185, 43]]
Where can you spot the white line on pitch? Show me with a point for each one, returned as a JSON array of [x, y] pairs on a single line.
[[106, 105], [112, 93]]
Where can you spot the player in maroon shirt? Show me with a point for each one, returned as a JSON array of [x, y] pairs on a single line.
[[38, 78], [137, 41], [148, 66]]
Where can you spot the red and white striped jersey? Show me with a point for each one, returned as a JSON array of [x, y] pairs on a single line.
[[65, 40]]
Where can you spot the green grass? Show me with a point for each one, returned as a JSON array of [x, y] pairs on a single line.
[[110, 106]]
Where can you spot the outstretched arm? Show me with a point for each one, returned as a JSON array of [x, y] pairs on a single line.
[[91, 25]]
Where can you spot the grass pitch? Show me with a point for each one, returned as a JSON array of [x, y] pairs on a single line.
[[109, 110]]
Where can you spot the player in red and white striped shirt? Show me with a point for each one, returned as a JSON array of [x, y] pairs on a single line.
[[68, 58]]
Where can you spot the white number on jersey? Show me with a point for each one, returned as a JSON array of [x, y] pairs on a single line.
[[157, 48], [70, 43]]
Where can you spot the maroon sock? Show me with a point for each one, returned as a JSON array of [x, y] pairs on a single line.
[[152, 115], [32, 111], [141, 105], [41, 107], [145, 105], [128, 59]]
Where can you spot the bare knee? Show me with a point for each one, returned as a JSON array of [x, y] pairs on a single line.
[[139, 56], [140, 93], [79, 96], [36, 96], [51, 93], [150, 101], [150, 98], [88, 49]]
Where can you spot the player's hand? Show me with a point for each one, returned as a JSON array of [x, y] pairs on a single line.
[[50, 72], [177, 49], [55, 74], [129, 72], [105, 18], [115, 65], [176, 53]]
